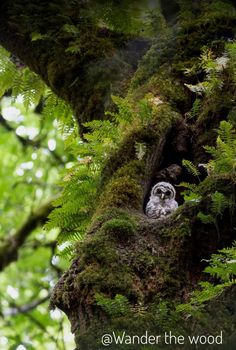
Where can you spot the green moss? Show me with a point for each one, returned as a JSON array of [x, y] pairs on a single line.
[[112, 213], [164, 117], [179, 228], [124, 189], [111, 279], [97, 248], [168, 86], [145, 261], [120, 228], [123, 192]]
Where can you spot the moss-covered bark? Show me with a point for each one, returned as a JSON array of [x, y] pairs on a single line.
[[81, 62], [152, 263]]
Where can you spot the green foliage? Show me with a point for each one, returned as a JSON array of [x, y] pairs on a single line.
[[192, 192], [127, 16], [222, 163], [31, 152], [193, 170], [74, 207], [231, 50], [115, 307], [224, 153], [76, 204], [21, 81], [196, 108], [213, 67], [54, 108], [219, 203], [221, 266], [8, 71]]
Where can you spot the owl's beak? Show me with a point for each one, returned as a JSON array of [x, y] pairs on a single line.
[[162, 196]]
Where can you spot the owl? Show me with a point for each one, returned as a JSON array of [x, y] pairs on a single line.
[[162, 201]]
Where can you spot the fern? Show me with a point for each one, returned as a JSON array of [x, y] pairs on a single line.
[[206, 218], [219, 203], [20, 81], [9, 75], [114, 307], [192, 169], [125, 114], [213, 68], [74, 206], [66, 251], [196, 108], [223, 162], [224, 153], [140, 150], [192, 193], [221, 266]]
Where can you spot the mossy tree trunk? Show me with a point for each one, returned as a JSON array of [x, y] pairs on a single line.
[[125, 253]]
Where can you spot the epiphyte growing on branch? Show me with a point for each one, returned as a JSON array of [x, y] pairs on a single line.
[[162, 201]]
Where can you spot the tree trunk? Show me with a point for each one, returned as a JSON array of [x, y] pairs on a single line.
[[150, 262]]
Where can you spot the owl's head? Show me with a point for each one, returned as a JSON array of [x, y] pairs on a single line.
[[163, 190]]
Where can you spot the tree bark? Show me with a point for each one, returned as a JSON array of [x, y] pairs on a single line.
[[71, 76], [125, 253]]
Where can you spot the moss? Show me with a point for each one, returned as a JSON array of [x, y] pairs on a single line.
[[179, 228], [164, 117], [124, 189], [123, 192], [111, 279], [145, 261], [152, 61], [112, 213], [167, 86], [120, 228], [97, 248]]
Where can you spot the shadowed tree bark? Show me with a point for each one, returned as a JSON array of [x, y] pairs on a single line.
[[147, 261]]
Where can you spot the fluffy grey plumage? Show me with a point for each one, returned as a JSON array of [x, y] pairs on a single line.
[[162, 201]]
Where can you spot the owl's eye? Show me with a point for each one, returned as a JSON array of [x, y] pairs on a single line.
[[168, 193], [158, 191]]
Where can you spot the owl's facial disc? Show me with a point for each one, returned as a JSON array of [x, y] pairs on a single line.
[[163, 193]]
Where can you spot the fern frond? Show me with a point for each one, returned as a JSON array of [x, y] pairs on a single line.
[[67, 252], [192, 169], [8, 72], [205, 218], [219, 203]]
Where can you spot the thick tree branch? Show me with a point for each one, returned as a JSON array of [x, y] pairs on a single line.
[[70, 75], [10, 246]]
